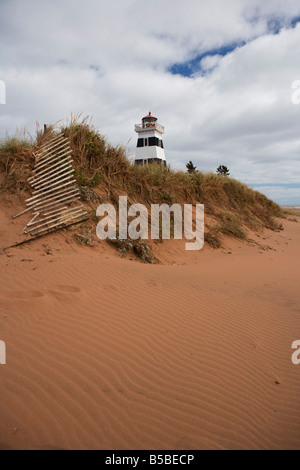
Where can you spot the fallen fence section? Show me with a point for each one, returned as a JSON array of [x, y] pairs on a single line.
[[55, 195]]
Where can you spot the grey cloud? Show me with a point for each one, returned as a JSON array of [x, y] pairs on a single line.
[[111, 59]]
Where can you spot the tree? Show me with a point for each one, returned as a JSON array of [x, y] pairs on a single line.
[[223, 170], [190, 167]]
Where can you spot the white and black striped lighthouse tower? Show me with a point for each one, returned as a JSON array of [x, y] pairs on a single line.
[[150, 148]]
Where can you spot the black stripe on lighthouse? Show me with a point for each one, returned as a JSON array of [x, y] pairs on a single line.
[[151, 141]]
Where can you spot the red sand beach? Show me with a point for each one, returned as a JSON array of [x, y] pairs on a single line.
[[109, 353]]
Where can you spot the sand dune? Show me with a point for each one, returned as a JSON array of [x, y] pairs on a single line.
[[108, 353]]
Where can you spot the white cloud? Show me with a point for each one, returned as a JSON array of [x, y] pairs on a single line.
[[111, 60]]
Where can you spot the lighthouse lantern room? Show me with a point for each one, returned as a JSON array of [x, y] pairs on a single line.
[[150, 148]]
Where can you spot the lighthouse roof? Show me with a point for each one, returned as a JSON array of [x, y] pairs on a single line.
[[149, 117]]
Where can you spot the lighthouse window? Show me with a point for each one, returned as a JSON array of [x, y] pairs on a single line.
[[153, 141], [150, 141]]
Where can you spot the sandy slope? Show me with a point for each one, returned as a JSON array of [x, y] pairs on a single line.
[[109, 353]]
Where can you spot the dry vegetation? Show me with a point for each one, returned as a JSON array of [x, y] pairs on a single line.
[[103, 172]]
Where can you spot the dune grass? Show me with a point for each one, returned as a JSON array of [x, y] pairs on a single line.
[[103, 173]]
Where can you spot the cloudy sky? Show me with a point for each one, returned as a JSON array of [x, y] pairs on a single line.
[[218, 75]]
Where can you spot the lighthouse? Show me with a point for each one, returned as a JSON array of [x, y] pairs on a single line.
[[150, 148]]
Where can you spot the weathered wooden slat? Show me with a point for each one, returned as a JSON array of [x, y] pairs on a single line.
[[63, 224], [55, 194], [41, 174], [44, 180], [55, 157], [49, 196], [57, 148], [67, 200], [54, 185], [20, 213], [48, 150], [55, 210], [68, 214], [33, 218], [38, 193], [58, 179], [60, 219], [61, 210], [30, 222], [50, 141], [49, 145]]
